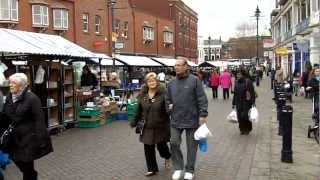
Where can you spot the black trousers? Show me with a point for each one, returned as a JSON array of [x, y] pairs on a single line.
[[27, 169], [245, 125], [214, 92], [150, 155], [225, 93]]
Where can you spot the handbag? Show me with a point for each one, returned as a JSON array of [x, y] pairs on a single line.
[[6, 140], [140, 127]]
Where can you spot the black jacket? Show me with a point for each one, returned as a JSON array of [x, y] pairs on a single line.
[[240, 101], [189, 102], [31, 139], [89, 80]]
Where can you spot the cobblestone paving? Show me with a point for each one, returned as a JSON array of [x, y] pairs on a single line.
[[113, 152]]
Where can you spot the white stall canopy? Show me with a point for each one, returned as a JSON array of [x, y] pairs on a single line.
[[141, 61], [105, 60]]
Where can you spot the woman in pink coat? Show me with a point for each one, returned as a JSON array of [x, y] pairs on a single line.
[[214, 83], [225, 83]]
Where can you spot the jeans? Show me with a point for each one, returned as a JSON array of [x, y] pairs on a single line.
[[150, 154], [27, 169], [192, 147], [225, 93], [214, 92]]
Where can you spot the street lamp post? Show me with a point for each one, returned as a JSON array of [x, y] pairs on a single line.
[[257, 15], [111, 4], [209, 49]]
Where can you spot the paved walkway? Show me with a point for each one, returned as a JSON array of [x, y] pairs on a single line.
[[113, 152]]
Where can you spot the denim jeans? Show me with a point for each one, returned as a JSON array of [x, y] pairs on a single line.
[[176, 153]]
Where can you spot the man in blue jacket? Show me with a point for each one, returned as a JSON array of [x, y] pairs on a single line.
[[188, 106]]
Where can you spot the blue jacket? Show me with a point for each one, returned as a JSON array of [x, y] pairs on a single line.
[[189, 102]]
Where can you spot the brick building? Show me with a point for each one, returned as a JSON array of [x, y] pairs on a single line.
[[46, 16], [91, 25], [186, 28], [144, 28]]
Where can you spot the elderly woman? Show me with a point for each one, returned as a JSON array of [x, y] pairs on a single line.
[[30, 140], [156, 132]]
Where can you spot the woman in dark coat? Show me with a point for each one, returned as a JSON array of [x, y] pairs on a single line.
[[151, 109], [313, 89], [30, 139], [243, 100], [88, 78]]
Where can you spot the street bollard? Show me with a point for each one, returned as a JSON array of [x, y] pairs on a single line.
[[286, 117], [281, 102]]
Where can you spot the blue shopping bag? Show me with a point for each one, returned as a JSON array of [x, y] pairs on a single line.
[[4, 160], [203, 145]]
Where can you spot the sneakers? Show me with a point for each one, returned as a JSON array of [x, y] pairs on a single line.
[[188, 176], [177, 175]]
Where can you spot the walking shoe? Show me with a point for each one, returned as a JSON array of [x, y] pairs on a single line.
[[150, 173], [176, 175], [167, 163], [188, 176]]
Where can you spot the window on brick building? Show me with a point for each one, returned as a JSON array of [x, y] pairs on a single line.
[[85, 22], [148, 33], [60, 19], [168, 37], [98, 24], [40, 15], [9, 10], [125, 28]]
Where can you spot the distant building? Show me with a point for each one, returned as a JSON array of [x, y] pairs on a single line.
[[209, 50]]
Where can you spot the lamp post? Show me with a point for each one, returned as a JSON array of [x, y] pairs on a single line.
[[111, 4], [209, 49], [257, 15]]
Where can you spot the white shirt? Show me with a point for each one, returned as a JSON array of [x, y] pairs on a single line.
[[161, 76]]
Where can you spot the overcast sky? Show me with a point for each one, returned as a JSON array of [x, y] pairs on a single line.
[[220, 17]]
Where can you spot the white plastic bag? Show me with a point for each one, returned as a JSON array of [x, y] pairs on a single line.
[[232, 117], [202, 132], [301, 91], [253, 114]]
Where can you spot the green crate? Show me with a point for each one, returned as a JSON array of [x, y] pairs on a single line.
[[88, 124], [84, 112]]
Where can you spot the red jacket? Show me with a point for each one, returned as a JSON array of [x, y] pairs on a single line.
[[214, 80]]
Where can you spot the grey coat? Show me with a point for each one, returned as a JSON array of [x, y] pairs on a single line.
[[189, 101]]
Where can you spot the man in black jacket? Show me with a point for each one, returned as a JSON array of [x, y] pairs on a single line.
[[188, 106]]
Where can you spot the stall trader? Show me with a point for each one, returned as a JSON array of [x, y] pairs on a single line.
[[88, 78]]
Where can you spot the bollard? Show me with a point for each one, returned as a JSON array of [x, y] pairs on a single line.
[[286, 152], [281, 102]]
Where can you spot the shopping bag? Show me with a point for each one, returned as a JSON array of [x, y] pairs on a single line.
[[202, 132], [253, 114], [232, 117], [302, 91], [203, 145], [4, 160]]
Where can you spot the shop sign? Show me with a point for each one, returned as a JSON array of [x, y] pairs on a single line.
[[282, 51], [119, 45], [98, 44]]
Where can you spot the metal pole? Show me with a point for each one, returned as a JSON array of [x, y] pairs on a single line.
[[257, 40], [209, 43], [113, 42]]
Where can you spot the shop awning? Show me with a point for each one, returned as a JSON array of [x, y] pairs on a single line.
[[207, 64], [171, 62], [165, 61], [22, 42], [105, 60], [141, 61]]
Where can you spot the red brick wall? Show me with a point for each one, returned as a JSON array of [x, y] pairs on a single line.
[[25, 17], [90, 40]]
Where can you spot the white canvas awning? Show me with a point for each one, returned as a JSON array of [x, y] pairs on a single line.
[[137, 61], [22, 42], [105, 60], [192, 64], [166, 61]]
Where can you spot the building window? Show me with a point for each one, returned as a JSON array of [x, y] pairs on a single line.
[[40, 15], [126, 25], [148, 33], [98, 24], [9, 10], [85, 22], [60, 19], [168, 37]]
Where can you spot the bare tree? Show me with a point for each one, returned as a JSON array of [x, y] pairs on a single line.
[[245, 29]]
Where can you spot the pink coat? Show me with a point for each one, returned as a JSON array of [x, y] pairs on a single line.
[[225, 80], [214, 80]]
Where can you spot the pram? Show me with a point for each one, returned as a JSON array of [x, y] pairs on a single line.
[[313, 130]]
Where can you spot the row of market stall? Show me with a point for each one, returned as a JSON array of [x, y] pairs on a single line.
[[50, 62]]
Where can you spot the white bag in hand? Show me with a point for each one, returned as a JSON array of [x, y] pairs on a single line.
[[202, 132], [232, 117], [302, 91], [253, 114]]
